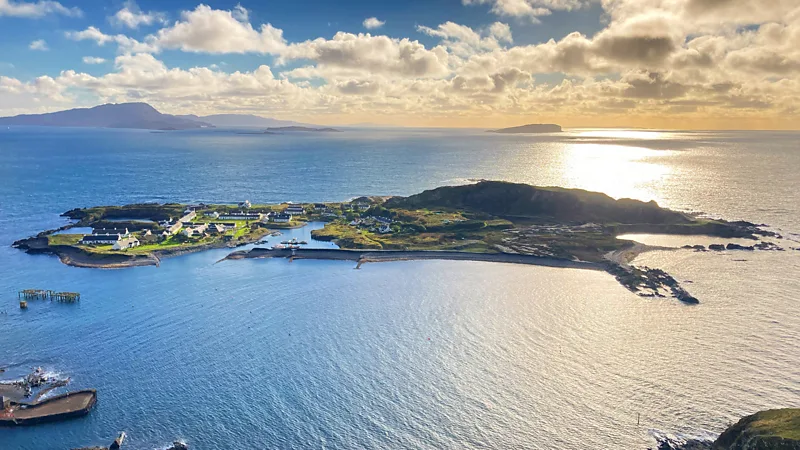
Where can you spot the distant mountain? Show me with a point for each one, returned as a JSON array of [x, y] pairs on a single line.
[[531, 128], [122, 115], [304, 129], [242, 120]]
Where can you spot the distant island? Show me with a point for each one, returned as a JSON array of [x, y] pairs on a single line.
[[487, 221], [242, 121], [144, 116], [303, 129], [122, 115], [530, 128]]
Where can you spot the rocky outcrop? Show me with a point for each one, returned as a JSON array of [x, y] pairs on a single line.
[[775, 429]]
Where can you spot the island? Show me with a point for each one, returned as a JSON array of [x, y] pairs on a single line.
[[491, 221], [303, 129], [530, 128], [121, 115]]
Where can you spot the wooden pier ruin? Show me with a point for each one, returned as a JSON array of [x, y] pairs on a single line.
[[41, 294]]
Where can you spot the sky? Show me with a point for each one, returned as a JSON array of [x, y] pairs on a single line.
[[668, 64]]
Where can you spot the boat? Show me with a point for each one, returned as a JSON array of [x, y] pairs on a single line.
[[60, 407]]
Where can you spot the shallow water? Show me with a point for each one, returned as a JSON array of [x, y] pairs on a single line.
[[425, 354]]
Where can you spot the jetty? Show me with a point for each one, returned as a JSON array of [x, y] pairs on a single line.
[[41, 294], [65, 406]]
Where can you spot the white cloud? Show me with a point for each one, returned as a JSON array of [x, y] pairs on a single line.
[[39, 45], [93, 60], [373, 23], [36, 9], [530, 9], [219, 31], [132, 17], [124, 43], [652, 58]]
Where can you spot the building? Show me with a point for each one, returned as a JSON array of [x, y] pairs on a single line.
[[245, 204], [320, 207], [383, 220], [216, 228], [105, 236], [195, 230], [294, 210], [125, 243], [188, 217], [120, 231], [361, 206], [100, 239], [385, 228], [240, 216], [281, 218], [171, 228], [212, 214]]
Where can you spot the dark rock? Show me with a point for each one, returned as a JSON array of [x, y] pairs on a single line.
[[716, 247], [732, 246], [178, 446]]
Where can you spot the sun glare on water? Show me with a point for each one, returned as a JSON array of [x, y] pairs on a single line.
[[617, 170]]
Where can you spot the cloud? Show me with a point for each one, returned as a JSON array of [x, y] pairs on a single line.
[[210, 30], [464, 41], [132, 17], [373, 23], [694, 60], [125, 44], [39, 45], [374, 54], [41, 8], [93, 60], [529, 9]]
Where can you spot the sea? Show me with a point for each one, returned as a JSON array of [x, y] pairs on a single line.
[[272, 354]]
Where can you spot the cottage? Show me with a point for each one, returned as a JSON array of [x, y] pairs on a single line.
[[211, 214], [320, 207], [125, 243], [240, 216], [361, 206], [188, 217], [171, 228], [294, 210], [281, 218], [195, 230], [385, 229], [216, 228], [120, 231], [245, 204], [383, 220], [100, 239]]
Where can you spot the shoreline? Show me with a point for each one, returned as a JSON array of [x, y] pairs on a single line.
[[367, 256]]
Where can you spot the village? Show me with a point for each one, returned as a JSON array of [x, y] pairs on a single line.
[[207, 224]]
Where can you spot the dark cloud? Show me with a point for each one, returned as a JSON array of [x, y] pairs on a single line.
[[654, 86]]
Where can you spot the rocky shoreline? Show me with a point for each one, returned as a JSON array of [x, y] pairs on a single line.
[[76, 257]]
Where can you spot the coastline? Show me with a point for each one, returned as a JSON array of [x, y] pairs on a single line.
[[367, 256]]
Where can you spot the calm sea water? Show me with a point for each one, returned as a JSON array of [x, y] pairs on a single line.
[[313, 354]]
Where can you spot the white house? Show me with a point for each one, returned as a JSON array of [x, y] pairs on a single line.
[[245, 204], [281, 218], [294, 210], [195, 230], [212, 214], [100, 239], [171, 228], [385, 229], [188, 217], [128, 242], [240, 216]]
